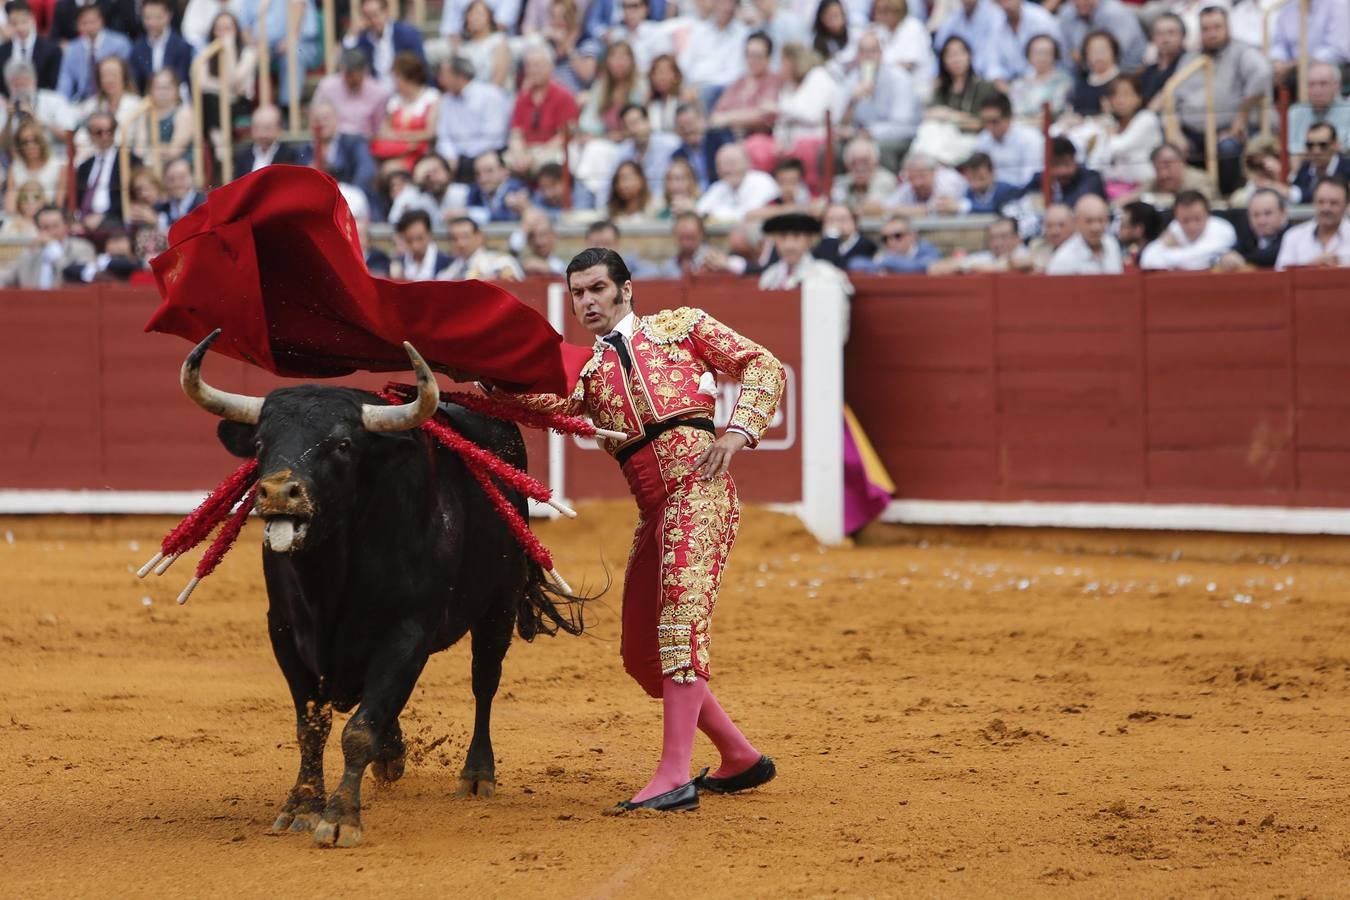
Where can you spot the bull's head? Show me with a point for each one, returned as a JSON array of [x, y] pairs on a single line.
[[309, 442]]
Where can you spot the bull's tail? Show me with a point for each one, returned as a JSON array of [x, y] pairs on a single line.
[[547, 608]]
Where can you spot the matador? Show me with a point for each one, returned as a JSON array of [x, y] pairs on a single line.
[[653, 378]]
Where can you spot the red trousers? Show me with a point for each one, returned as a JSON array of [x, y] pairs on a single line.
[[684, 535]]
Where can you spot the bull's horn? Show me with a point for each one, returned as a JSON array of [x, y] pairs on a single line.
[[235, 407], [407, 415]]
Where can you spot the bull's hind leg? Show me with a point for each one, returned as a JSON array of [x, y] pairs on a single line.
[[389, 681], [491, 638], [313, 719]]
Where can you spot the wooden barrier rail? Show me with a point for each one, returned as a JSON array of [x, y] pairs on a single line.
[[1302, 82], [295, 16], [224, 49], [1171, 123], [145, 110], [263, 42]]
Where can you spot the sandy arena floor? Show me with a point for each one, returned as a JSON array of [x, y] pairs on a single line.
[[950, 718]]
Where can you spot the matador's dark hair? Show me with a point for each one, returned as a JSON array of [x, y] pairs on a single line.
[[600, 256]]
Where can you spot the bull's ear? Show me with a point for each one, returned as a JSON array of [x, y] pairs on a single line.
[[237, 438]]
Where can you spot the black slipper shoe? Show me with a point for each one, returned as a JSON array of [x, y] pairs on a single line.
[[681, 799], [762, 772]]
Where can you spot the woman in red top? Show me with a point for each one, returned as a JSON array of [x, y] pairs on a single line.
[[411, 124]]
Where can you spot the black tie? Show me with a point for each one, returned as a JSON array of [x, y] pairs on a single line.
[[615, 340]]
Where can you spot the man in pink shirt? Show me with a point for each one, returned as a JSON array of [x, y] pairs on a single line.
[[359, 99]]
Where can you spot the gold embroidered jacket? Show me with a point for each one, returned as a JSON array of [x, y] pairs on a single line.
[[671, 350]]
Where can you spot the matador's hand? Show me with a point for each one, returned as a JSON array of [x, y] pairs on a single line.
[[714, 462]]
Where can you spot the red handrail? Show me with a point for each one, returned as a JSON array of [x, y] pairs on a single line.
[[71, 184], [566, 167], [827, 177], [1049, 155], [1284, 132]]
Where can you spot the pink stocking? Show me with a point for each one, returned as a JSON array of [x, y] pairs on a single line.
[[738, 754], [680, 705]]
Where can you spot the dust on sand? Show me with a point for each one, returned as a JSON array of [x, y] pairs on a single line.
[[948, 720]]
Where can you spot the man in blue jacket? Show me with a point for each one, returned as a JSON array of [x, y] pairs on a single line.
[[160, 47], [381, 39], [79, 66]]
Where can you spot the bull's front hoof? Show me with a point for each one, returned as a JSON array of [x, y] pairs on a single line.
[[476, 786], [388, 770], [337, 834], [294, 823]]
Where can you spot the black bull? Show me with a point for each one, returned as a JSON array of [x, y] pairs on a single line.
[[381, 549]]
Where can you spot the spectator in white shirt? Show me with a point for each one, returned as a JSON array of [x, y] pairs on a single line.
[[809, 94], [1017, 149], [474, 118], [1194, 241], [738, 188], [714, 51], [473, 259], [928, 189], [1325, 239], [879, 101], [1091, 251], [647, 38], [905, 42], [1121, 150]]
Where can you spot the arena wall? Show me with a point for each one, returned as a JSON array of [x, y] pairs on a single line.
[[1212, 391]]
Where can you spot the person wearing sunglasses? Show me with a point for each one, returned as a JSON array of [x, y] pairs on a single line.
[[902, 251], [31, 159], [1324, 104], [98, 179], [1323, 159], [27, 200]]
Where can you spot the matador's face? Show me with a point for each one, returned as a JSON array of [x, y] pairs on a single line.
[[597, 302]]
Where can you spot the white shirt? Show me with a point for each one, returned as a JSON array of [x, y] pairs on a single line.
[[23, 49], [722, 201], [1217, 238], [483, 263], [383, 62], [650, 40], [712, 56], [102, 175], [423, 269], [1075, 257], [946, 183], [1302, 248], [263, 158], [157, 48], [1018, 156], [909, 46]]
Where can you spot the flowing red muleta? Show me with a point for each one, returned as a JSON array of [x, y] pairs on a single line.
[[274, 261]]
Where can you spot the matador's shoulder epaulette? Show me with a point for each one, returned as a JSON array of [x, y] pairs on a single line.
[[672, 325]]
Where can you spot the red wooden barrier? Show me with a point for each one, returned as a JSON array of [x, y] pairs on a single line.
[[1191, 388], [1161, 388], [88, 401]]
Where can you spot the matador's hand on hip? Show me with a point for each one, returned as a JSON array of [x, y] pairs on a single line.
[[714, 462]]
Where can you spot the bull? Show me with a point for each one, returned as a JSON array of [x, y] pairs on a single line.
[[380, 548]]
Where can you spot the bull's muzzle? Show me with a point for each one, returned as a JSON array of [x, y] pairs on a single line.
[[285, 505]]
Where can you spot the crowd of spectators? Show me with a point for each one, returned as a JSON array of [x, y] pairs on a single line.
[[626, 113]]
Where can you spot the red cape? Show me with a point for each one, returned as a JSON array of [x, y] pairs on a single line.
[[274, 261]]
